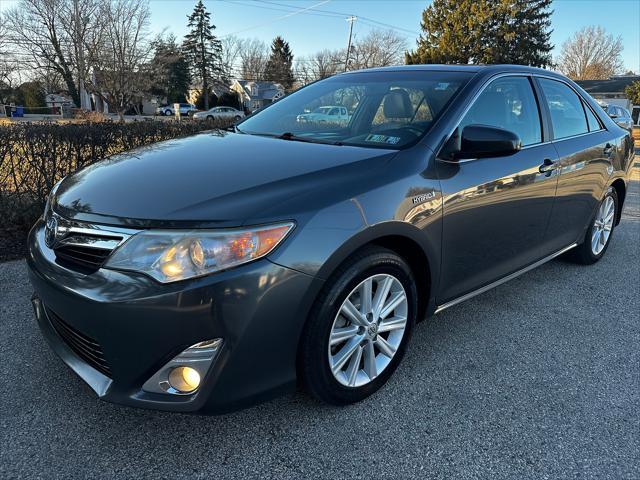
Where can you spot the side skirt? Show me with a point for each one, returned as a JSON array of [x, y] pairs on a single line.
[[503, 279]]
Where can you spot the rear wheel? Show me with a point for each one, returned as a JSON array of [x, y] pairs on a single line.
[[237, 118], [598, 236], [359, 328]]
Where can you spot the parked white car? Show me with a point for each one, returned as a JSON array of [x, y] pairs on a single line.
[[219, 112], [328, 114], [185, 109]]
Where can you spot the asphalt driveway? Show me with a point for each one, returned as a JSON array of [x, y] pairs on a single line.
[[539, 378]]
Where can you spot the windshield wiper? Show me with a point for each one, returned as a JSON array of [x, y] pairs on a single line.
[[296, 138]]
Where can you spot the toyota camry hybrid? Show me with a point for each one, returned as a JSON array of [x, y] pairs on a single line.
[[212, 272]]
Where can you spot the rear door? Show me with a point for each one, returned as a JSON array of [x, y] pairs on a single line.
[[496, 210], [584, 149]]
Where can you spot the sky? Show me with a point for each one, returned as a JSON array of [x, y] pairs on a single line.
[[309, 30]]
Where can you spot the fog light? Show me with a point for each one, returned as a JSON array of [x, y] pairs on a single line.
[[184, 379], [183, 375]]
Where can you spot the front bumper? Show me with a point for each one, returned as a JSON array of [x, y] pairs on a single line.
[[258, 309]]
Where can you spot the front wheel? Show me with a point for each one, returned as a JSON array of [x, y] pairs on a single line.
[[359, 328], [598, 236]]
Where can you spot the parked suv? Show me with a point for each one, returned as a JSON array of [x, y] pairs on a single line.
[[211, 272], [185, 109]]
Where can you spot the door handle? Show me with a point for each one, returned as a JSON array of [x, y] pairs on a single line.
[[547, 167], [608, 149]]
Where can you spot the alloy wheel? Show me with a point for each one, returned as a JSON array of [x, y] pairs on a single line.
[[603, 225], [367, 330]]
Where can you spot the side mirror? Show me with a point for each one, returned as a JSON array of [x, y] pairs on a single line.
[[482, 141]]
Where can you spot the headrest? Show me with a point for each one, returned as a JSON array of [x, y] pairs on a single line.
[[397, 104]]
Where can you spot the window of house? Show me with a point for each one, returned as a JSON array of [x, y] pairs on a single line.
[[508, 103], [567, 113]]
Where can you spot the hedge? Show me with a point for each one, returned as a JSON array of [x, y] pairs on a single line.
[[34, 156]]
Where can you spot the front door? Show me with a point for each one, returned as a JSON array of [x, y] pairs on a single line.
[[496, 210]]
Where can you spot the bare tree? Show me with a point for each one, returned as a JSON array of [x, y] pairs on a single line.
[[591, 54], [47, 32], [121, 50], [380, 48], [7, 68], [322, 64], [231, 47], [254, 55]]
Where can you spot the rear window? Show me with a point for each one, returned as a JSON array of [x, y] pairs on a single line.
[[568, 117]]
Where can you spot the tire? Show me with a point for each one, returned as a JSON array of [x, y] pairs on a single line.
[[209, 118], [585, 253], [168, 113], [315, 355], [237, 118]]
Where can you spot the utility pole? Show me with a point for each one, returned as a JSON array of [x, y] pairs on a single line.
[[351, 19]]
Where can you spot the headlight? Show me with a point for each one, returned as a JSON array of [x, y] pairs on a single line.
[[172, 255]]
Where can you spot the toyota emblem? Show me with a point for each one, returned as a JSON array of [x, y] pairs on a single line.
[[51, 231]]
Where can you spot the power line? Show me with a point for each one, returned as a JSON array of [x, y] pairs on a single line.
[[276, 19]]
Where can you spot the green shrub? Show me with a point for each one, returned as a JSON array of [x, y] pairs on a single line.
[[34, 156]]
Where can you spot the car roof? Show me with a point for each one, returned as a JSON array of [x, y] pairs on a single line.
[[478, 68]]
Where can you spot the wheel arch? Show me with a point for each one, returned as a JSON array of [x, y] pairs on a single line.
[[621, 192], [405, 240]]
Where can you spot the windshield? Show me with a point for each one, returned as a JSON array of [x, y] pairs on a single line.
[[372, 109]]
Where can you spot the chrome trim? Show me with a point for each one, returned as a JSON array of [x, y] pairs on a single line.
[[503, 279], [199, 356], [83, 234]]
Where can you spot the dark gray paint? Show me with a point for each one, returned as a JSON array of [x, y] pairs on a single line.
[[479, 221]]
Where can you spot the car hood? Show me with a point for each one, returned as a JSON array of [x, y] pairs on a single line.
[[218, 178]]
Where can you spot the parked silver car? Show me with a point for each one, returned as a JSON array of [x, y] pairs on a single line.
[[620, 115], [219, 112]]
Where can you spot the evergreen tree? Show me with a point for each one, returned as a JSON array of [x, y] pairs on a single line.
[[279, 66], [485, 31], [203, 50], [633, 92], [170, 70]]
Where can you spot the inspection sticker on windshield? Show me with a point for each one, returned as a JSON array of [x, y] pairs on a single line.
[[382, 139]]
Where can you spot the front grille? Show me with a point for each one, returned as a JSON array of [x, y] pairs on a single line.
[[82, 246], [85, 347], [88, 258]]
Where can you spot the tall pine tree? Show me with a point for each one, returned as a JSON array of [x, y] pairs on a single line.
[[170, 70], [485, 31], [203, 50], [279, 67]]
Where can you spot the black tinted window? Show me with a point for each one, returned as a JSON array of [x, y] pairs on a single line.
[[508, 103], [567, 114], [593, 122]]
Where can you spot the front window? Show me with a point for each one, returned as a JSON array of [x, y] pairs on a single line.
[[508, 103], [389, 109]]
